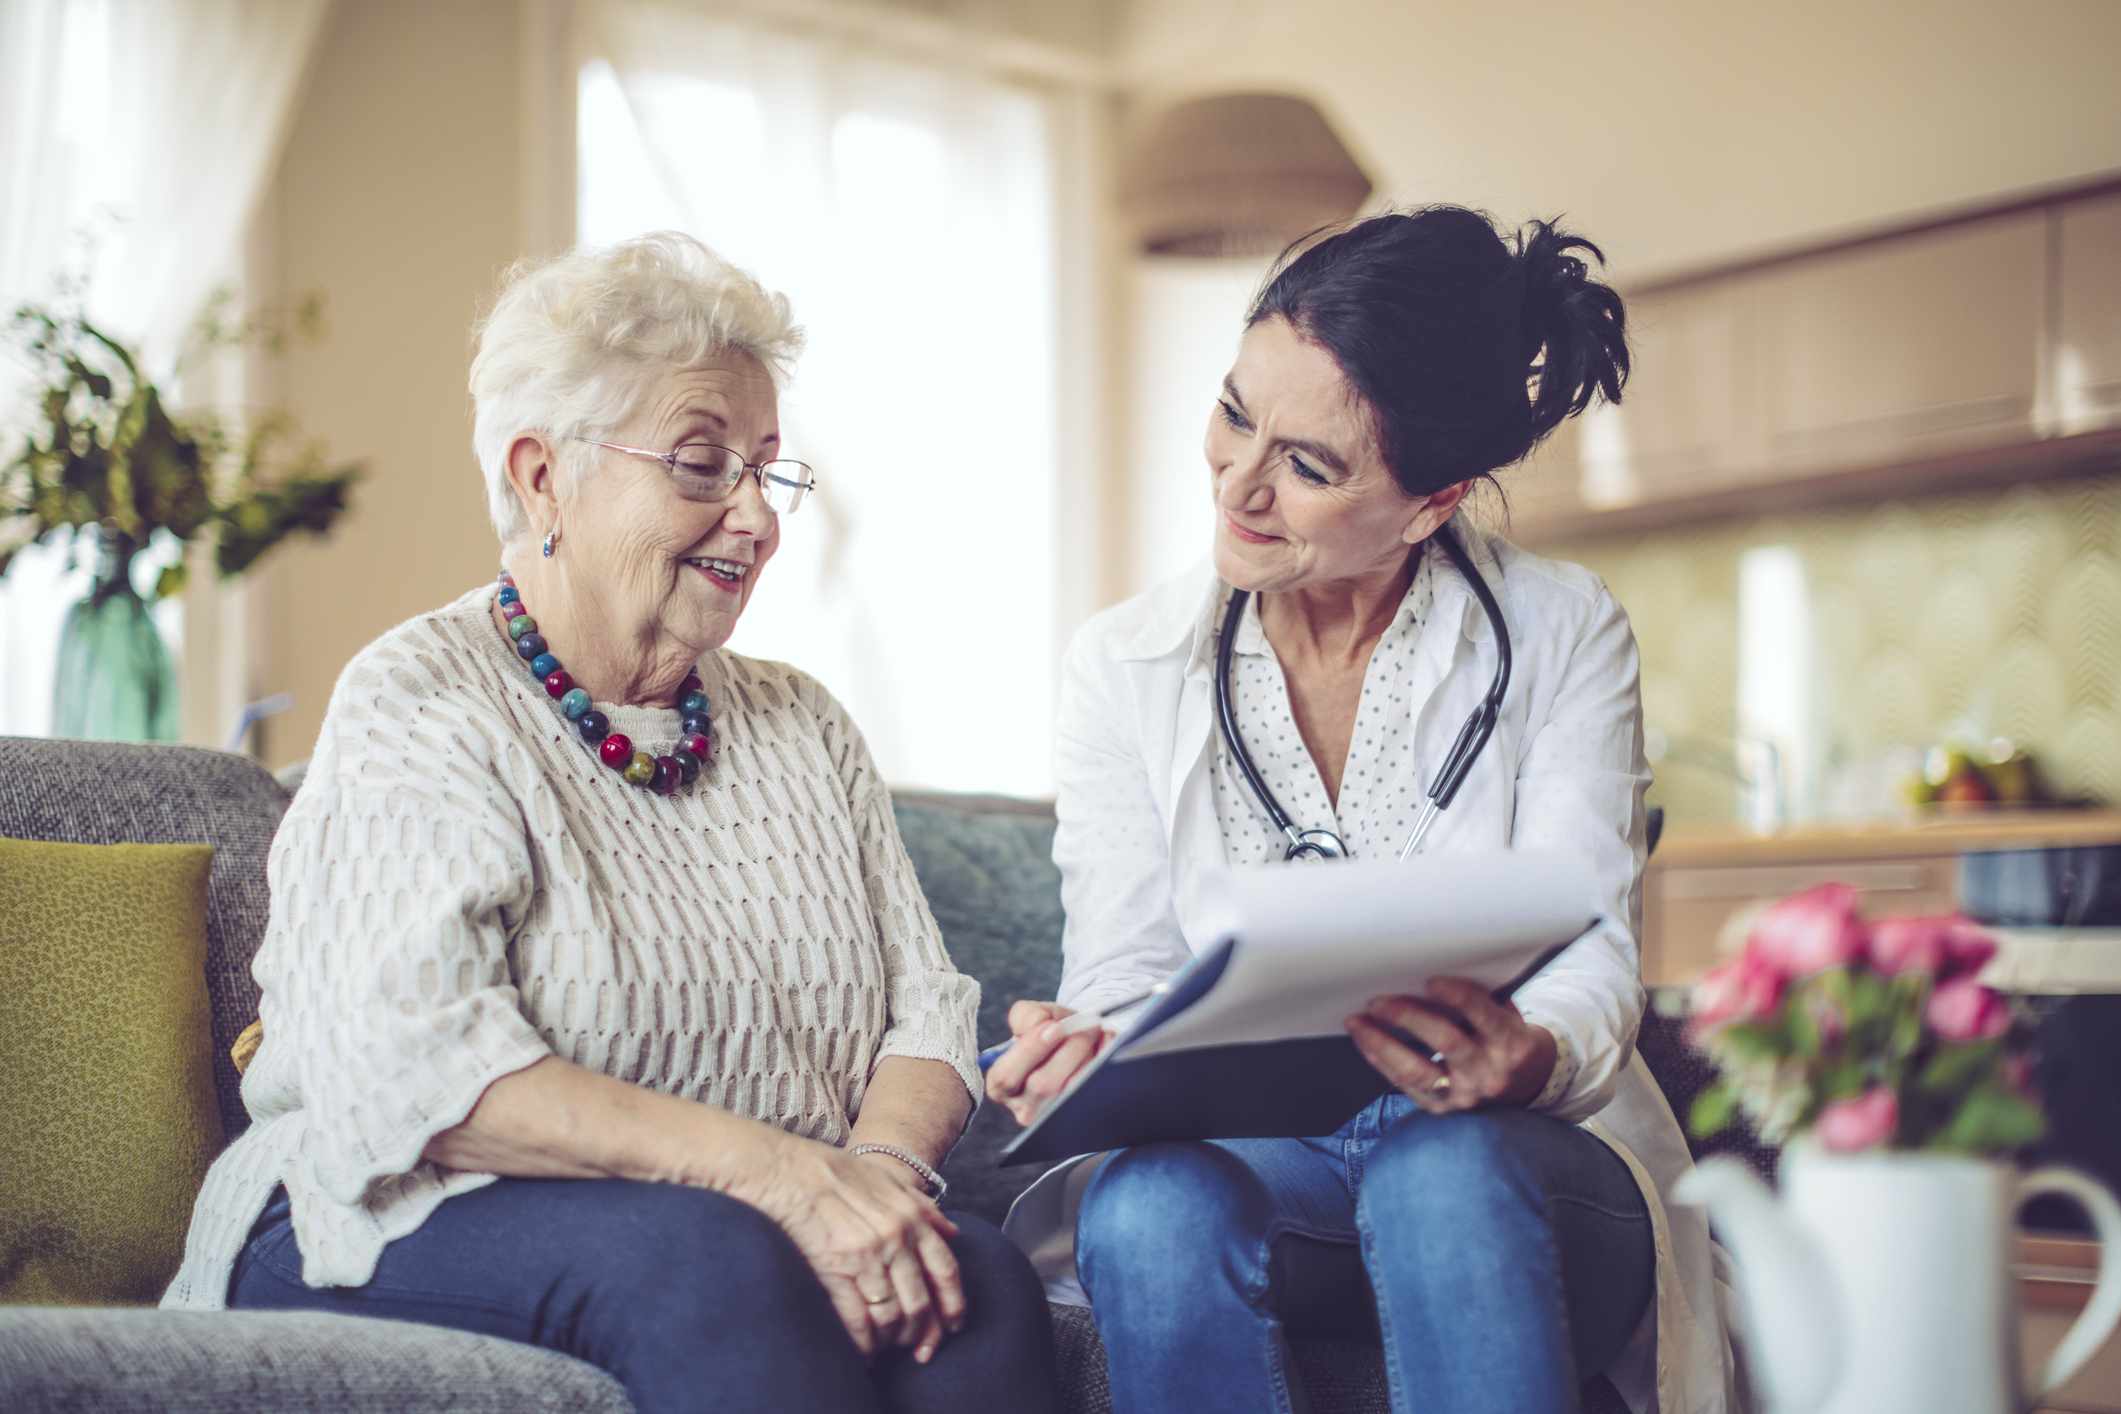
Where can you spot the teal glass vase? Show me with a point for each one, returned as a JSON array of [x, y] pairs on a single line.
[[115, 680]]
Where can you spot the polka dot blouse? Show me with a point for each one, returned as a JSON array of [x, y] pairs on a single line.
[[1382, 785]]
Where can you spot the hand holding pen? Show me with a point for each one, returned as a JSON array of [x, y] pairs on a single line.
[[1049, 1046]]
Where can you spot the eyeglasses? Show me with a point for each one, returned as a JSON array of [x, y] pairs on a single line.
[[702, 471]]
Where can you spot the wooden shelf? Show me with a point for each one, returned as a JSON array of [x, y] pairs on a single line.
[[1975, 831]]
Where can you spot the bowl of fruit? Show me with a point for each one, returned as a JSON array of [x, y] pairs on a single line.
[[1957, 776]]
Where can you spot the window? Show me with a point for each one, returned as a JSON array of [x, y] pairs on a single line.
[[908, 215]]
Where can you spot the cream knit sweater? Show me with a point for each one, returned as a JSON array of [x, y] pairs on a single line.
[[461, 888]]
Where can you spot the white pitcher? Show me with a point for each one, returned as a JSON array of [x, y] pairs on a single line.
[[1880, 1283]]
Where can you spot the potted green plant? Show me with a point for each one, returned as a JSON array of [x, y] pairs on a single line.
[[106, 459]]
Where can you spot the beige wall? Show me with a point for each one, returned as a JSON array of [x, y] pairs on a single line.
[[400, 197], [1676, 132]]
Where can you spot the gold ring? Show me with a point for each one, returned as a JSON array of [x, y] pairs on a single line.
[[1440, 1084]]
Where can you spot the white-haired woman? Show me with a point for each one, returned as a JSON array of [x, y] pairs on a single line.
[[602, 1009]]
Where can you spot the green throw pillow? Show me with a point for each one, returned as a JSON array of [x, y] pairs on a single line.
[[107, 1111]]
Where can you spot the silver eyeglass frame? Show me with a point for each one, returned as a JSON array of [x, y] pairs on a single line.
[[669, 460]]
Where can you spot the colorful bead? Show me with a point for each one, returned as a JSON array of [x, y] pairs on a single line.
[[662, 774]]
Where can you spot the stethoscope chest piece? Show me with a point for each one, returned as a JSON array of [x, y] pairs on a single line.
[[1315, 844]]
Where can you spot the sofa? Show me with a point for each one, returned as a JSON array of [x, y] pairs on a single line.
[[985, 864]]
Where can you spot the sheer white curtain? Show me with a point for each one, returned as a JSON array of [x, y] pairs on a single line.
[[908, 210], [148, 127]]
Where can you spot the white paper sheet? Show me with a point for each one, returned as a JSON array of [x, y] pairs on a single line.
[[1317, 941]]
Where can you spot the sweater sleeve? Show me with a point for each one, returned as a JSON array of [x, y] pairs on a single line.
[[932, 1008], [387, 997]]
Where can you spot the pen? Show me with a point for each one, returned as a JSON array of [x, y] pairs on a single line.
[[1503, 993]]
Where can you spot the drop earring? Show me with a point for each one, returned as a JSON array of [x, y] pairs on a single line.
[[552, 538]]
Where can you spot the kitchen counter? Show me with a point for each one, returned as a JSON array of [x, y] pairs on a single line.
[[1703, 883], [1931, 833]]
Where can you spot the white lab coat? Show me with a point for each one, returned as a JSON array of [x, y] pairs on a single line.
[[1138, 839]]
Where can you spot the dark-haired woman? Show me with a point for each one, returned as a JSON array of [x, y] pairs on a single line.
[[1500, 1222]]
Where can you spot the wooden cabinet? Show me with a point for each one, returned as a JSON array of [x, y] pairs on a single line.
[[1691, 419], [1687, 910], [1974, 350], [2087, 354], [1912, 347]]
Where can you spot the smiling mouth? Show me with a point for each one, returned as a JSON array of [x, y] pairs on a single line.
[[1250, 537], [723, 574]]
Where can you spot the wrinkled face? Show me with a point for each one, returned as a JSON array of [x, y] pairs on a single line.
[[644, 546], [1302, 494]]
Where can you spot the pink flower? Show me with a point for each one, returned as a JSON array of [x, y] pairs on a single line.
[[1964, 1010], [1743, 989], [1809, 932], [2018, 1074], [1865, 1122], [1942, 947]]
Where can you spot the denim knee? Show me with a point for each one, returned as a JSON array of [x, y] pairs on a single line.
[[1165, 1217], [1445, 1167], [995, 1269], [682, 1252]]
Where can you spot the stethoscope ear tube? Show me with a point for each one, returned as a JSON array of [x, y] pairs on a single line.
[[1481, 724]]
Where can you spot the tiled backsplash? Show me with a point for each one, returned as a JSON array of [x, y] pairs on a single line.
[[1997, 613]]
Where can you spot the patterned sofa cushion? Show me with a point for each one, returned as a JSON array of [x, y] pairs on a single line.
[[104, 793]]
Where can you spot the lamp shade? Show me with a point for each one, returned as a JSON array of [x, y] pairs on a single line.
[[1236, 174]]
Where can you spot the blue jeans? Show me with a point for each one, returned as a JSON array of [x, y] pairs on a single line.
[[1501, 1256], [691, 1299]]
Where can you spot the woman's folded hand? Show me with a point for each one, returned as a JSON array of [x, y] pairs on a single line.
[[878, 1245], [1041, 1062]]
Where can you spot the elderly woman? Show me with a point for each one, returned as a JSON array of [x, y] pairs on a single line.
[[602, 1009], [1499, 1217]]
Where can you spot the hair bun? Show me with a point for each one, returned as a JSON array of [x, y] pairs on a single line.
[[1575, 327], [1439, 323]]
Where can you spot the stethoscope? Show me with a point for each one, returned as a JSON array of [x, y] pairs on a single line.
[[1479, 726]]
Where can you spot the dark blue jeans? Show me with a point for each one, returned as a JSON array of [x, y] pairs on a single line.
[[691, 1299], [1500, 1255]]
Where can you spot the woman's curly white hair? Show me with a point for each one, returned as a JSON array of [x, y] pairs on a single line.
[[575, 343]]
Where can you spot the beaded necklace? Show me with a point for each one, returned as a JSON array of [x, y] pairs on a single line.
[[661, 774]]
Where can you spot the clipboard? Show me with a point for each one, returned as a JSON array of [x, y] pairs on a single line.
[[1246, 1041]]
